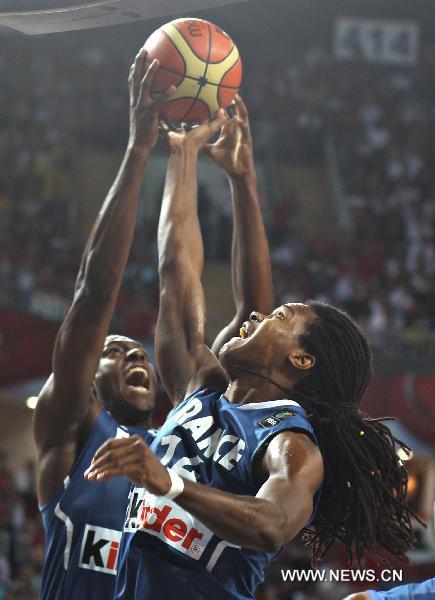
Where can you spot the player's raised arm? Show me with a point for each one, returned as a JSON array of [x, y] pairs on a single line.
[[66, 409], [182, 357], [251, 270]]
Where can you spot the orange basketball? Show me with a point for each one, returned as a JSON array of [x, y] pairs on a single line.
[[202, 62]]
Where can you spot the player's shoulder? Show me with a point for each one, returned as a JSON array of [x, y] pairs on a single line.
[[295, 443], [289, 434], [293, 454]]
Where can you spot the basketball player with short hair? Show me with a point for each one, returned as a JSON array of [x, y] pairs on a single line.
[[100, 386], [262, 444]]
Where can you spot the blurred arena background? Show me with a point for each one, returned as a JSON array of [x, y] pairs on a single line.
[[342, 102]]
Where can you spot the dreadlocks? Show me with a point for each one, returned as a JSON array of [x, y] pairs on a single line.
[[363, 498]]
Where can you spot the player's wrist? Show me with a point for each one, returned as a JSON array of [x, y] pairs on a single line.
[[248, 177], [187, 149], [176, 487]]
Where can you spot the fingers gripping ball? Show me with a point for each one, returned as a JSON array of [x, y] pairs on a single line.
[[202, 62]]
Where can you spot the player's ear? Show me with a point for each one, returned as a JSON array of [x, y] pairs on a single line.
[[301, 359]]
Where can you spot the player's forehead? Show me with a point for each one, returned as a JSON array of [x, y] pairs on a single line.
[[298, 314], [298, 308], [121, 341]]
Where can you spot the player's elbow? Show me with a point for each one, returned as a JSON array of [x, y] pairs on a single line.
[[99, 283], [173, 249], [169, 263], [280, 528], [90, 297], [271, 541], [273, 536]]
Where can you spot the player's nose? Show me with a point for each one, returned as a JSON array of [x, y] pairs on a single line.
[[256, 316], [136, 354]]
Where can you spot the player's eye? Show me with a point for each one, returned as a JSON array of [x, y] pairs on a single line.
[[112, 351]]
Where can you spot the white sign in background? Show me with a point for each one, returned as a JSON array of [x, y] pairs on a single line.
[[376, 40]]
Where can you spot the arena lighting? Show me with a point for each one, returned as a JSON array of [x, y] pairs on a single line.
[[404, 455], [31, 402], [51, 16]]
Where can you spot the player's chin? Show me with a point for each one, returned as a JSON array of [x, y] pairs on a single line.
[[234, 342], [231, 349], [138, 396]]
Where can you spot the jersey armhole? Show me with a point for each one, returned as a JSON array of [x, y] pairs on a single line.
[[198, 390], [62, 486], [272, 434], [54, 498]]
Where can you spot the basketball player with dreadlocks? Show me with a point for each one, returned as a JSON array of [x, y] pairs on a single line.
[[263, 444]]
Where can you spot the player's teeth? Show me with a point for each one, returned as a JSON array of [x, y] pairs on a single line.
[[243, 333], [141, 370]]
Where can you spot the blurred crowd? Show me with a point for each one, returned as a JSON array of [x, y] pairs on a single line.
[[379, 119], [21, 534], [54, 104]]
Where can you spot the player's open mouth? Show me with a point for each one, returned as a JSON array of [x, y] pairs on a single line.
[[137, 379], [247, 329]]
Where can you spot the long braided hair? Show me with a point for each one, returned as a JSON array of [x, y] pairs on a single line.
[[363, 500]]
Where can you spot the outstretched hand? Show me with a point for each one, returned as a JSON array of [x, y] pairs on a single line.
[[193, 138], [233, 150], [132, 458], [144, 106]]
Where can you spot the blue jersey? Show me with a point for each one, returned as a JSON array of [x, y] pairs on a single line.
[[412, 591], [83, 524], [166, 552]]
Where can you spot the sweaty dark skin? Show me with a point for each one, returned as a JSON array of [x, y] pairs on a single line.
[[82, 380], [291, 468]]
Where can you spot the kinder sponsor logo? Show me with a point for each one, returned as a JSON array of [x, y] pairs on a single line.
[[164, 519], [100, 549]]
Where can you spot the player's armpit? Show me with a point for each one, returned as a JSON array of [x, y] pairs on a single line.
[[56, 423], [64, 400], [209, 372]]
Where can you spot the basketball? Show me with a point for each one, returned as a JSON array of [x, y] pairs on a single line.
[[202, 62]]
